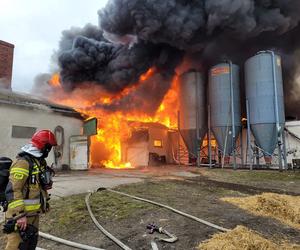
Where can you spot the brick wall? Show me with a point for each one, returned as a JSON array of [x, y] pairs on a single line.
[[6, 64]]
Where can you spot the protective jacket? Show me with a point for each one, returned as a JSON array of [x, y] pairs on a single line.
[[24, 191]]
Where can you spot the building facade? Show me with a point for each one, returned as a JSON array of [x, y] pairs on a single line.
[[6, 64], [22, 116]]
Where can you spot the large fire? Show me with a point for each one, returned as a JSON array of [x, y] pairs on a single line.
[[113, 127]]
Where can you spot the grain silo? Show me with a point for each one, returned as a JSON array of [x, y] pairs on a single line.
[[192, 99], [265, 102], [225, 110]]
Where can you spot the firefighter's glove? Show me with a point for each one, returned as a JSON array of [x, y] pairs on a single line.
[[10, 227], [30, 232]]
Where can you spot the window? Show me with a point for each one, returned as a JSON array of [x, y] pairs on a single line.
[[22, 132], [213, 143], [157, 143]]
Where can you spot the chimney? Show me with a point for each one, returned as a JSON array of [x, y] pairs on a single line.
[[6, 64]]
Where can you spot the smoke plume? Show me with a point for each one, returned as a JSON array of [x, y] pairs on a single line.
[[134, 35]]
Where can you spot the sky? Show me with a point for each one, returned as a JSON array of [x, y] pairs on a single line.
[[35, 27]]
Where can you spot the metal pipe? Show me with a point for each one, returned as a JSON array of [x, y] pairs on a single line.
[[197, 105], [276, 106], [257, 153], [275, 91], [248, 134], [209, 136], [225, 147], [197, 119], [284, 151], [178, 125], [232, 115], [276, 109], [198, 137], [242, 146]]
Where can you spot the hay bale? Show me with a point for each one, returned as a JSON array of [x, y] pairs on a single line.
[[285, 208], [242, 238]]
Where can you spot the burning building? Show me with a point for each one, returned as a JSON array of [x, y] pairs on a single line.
[[150, 144], [149, 59], [23, 115], [117, 129], [6, 64]]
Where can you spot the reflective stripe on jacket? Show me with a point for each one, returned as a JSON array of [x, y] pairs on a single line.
[[32, 206], [23, 192]]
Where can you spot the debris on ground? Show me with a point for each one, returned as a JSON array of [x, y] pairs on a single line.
[[242, 238], [285, 208]]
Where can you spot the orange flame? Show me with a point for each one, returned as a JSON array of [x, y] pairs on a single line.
[[114, 128], [150, 72], [55, 80]]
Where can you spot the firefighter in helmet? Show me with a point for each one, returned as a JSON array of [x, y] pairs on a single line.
[[26, 192]]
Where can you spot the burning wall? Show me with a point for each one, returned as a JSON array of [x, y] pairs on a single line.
[[116, 126], [123, 70]]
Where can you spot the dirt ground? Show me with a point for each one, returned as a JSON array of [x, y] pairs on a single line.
[[200, 196]]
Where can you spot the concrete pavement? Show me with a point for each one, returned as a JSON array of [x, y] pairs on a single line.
[[69, 183]]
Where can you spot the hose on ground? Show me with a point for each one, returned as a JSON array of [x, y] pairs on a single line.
[[169, 208], [67, 242], [102, 229]]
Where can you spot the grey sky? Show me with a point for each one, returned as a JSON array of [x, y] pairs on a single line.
[[35, 26]]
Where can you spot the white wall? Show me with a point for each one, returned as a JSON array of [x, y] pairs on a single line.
[[41, 119], [292, 144]]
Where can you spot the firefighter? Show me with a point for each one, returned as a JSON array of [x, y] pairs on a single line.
[[26, 192]]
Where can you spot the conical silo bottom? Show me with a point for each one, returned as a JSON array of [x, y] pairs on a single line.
[[265, 136], [190, 139], [223, 138]]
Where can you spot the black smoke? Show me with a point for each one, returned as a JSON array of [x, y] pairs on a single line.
[[158, 33], [195, 24]]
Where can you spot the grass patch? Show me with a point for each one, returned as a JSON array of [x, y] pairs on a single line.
[[170, 189], [111, 206], [70, 214], [255, 175]]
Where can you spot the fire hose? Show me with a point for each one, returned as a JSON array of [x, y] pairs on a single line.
[[169, 208], [102, 229], [114, 239], [67, 242], [121, 244]]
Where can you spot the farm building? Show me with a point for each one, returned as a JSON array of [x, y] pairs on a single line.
[[22, 115]]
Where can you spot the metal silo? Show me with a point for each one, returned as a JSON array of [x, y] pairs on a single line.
[[192, 110], [264, 93], [225, 107]]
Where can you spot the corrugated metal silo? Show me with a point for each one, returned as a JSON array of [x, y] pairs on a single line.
[[192, 110], [266, 104], [225, 124]]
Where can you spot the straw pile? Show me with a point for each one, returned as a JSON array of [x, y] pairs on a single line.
[[285, 208], [242, 238]]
